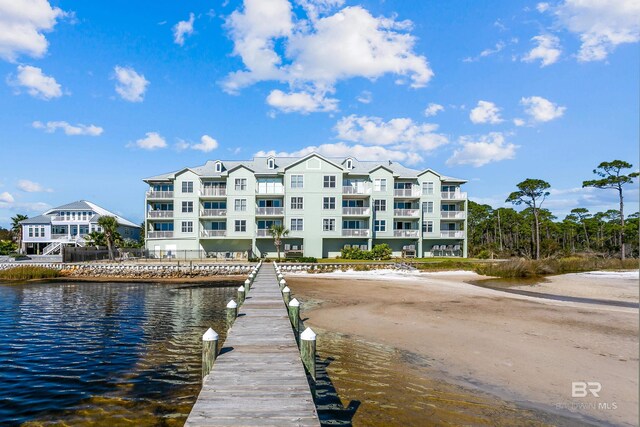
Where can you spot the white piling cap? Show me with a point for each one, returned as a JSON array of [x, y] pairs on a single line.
[[251, 276], [294, 303], [280, 276], [286, 289], [210, 335], [232, 304], [241, 288], [247, 282], [308, 335], [283, 282]]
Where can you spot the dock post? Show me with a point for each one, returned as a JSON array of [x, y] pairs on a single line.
[[232, 312], [247, 285], [209, 351], [282, 283], [294, 314], [308, 351], [286, 295], [241, 295]]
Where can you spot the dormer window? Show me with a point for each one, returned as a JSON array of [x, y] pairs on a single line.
[[271, 163], [218, 167], [349, 164]]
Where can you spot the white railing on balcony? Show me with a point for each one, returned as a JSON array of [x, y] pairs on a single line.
[[60, 237], [454, 195], [406, 192], [263, 232], [160, 214], [213, 233], [269, 211], [356, 189], [356, 210], [213, 212], [160, 234], [453, 214], [407, 212], [159, 194], [361, 232], [455, 234], [213, 191], [269, 189], [406, 233]]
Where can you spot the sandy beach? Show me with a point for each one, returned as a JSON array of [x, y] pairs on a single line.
[[520, 348]]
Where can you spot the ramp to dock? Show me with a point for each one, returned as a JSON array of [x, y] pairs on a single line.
[[258, 379]]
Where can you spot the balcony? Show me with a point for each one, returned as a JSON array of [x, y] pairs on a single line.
[[263, 232], [456, 234], [213, 212], [151, 194], [160, 214], [60, 237], [456, 195], [270, 211], [453, 214], [270, 189], [213, 191], [406, 213], [159, 234], [356, 211], [357, 190], [406, 233], [407, 192], [356, 232], [213, 233]]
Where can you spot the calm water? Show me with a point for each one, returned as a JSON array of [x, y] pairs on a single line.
[[103, 353]]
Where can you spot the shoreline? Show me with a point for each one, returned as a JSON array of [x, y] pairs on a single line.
[[119, 279]]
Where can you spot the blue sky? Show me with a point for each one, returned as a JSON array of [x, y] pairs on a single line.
[[95, 98]]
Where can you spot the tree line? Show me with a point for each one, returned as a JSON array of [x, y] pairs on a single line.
[[535, 232]]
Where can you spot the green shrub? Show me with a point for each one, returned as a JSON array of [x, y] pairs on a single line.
[[382, 251], [484, 254]]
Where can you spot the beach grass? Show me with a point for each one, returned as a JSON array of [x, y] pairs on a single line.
[[29, 272], [533, 268]]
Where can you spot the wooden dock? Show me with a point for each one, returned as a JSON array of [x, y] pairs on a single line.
[[258, 379]]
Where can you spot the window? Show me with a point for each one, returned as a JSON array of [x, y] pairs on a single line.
[[30, 231], [218, 167], [329, 203], [37, 232], [271, 163], [187, 207], [240, 205], [41, 231], [379, 205], [427, 188], [241, 184], [349, 164], [380, 184], [241, 225], [297, 203], [329, 181], [427, 227], [187, 226], [296, 224], [297, 181], [187, 186], [328, 224], [380, 225], [427, 207]]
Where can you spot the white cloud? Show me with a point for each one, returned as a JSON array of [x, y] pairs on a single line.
[[36, 83], [319, 51], [151, 141], [182, 29], [487, 52], [485, 112], [130, 85], [547, 51], [22, 27], [433, 109], [301, 102], [601, 25], [541, 109], [206, 144], [78, 129], [479, 151], [32, 187], [518, 122], [6, 197], [400, 133], [542, 7], [365, 97]]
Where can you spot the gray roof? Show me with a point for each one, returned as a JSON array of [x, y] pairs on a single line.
[[81, 205], [259, 166], [40, 219]]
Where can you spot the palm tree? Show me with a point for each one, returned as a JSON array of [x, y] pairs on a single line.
[[16, 229], [95, 238], [110, 230], [278, 231]]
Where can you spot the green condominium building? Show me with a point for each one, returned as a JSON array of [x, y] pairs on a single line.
[[225, 208]]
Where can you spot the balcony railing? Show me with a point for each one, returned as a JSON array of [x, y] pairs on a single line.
[[454, 195], [270, 211], [263, 232], [452, 234], [406, 233], [160, 214], [413, 213], [453, 214], [361, 232], [406, 192], [60, 237], [356, 189], [213, 212], [160, 234], [356, 210], [213, 233], [213, 191], [270, 190], [151, 194]]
